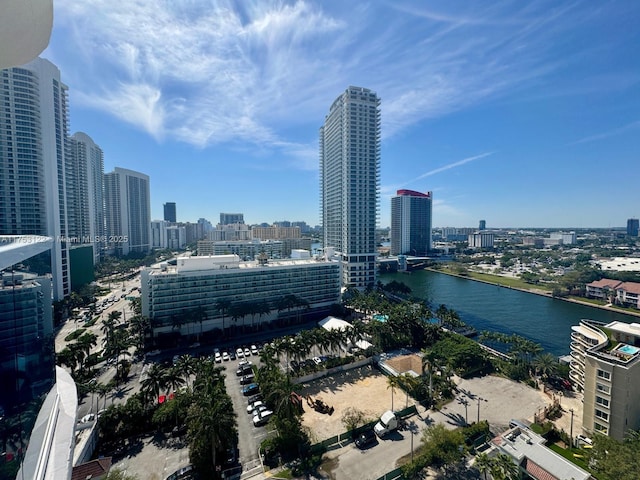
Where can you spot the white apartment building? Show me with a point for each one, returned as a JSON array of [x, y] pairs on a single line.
[[481, 240], [275, 232], [34, 160], [229, 232], [350, 183], [127, 211], [245, 249], [564, 238], [159, 234], [605, 366], [168, 292], [176, 237], [86, 201]]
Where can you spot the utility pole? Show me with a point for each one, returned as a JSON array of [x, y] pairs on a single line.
[[465, 402], [571, 430]]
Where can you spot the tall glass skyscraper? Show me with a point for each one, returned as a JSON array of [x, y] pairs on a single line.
[[86, 202], [349, 183], [170, 212], [410, 223], [127, 211], [34, 160]]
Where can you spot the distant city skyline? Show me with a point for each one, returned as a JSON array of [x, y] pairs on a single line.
[[521, 114]]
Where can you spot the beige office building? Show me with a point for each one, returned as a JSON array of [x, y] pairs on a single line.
[[605, 366]]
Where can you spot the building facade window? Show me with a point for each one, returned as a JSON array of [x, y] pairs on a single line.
[[601, 414], [604, 375], [603, 388], [602, 401]]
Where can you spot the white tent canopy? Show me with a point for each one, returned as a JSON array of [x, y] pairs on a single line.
[[333, 323]]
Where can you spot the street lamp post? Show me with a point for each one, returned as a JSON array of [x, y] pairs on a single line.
[[479, 399]]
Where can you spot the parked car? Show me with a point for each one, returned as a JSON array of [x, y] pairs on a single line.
[[262, 417], [254, 398], [246, 379], [244, 370], [258, 409], [254, 350], [240, 353], [252, 405], [183, 473], [225, 356], [247, 352], [218, 357], [317, 360], [250, 389], [365, 439], [232, 355]]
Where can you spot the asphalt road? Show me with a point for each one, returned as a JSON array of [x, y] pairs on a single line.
[[349, 462]]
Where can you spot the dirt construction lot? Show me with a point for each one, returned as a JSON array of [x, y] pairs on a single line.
[[364, 388]]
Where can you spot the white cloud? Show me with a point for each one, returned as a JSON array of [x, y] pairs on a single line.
[[206, 73], [610, 133]]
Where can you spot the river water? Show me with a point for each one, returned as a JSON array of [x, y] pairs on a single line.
[[544, 320]]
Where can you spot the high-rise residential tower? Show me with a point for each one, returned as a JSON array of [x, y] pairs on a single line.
[[411, 223], [170, 212], [349, 183], [34, 160], [633, 225], [231, 218], [127, 211], [86, 202]]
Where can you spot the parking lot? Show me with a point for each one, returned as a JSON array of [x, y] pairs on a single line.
[[497, 400]]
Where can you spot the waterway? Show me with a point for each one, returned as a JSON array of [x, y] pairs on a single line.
[[544, 320]]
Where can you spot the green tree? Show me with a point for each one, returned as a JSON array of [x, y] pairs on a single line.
[[483, 464], [445, 447]]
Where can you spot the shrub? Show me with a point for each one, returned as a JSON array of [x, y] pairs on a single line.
[[74, 335]]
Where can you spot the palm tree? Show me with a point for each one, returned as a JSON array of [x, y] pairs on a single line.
[[392, 383], [154, 382], [174, 379], [545, 364], [263, 308], [222, 306], [200, 315], [483, 464], [186, 365], [503, 468]]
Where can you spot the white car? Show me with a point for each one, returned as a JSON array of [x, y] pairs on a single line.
[[240, 353], [218, 357], [258, 409], [247, 352], [262, 417], [252, 406], [254, 350], [225, 356], [90, 417]]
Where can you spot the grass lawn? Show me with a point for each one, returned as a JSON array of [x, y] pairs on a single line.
[[499, 280], [569, 455]]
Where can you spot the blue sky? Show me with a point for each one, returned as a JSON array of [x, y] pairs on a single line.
[[520, 113]]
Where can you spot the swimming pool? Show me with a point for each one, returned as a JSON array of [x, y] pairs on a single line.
[[628, 349]]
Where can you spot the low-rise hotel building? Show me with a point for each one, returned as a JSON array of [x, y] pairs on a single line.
[[204, 283], [605, 366]]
